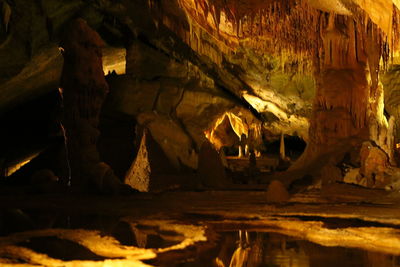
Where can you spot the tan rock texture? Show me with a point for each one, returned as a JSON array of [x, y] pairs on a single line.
[[374, 162], [151, 170]]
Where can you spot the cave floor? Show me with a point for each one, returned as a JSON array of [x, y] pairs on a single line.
[[339, 215], [336, 201]]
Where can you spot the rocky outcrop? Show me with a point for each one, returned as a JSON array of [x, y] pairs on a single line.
[[211, 171], [151, 170], [277, 192], [209, 69], [374, 162], [176, 100], [390, 81], [185, 88], [349, 95]]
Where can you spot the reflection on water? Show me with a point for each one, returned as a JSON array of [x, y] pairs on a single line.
[[255, 249], [42, 239], [63, 240]]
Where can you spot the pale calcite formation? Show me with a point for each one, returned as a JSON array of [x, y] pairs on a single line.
[[151, 170], [138, 175], [336, 6]]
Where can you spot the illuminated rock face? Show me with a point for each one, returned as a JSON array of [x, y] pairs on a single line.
[[190, 63], [345, 49], [348, 92], [180, 103], [84, 90], [228, 130], [341, 92], [374, 162], [392, 95], [181, 81]]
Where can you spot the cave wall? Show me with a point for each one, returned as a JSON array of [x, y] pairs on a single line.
[[390, 81], [180, 78], [187, 63], [174, 99]]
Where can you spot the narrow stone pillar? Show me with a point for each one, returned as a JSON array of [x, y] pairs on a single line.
[[282, 153], [84, 89], [341, 105]]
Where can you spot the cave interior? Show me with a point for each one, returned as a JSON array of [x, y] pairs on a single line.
[[221, 133]]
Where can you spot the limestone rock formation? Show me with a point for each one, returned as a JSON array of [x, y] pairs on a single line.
[[190, 63], [277, 192], [374, 162], [84, 89], [353, 176], [151, 170], [375, 170], [184, 88], [331, 174], [282, 154], [210, 170]]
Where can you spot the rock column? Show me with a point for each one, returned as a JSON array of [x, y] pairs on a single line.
[[84, 89], [348, 89]]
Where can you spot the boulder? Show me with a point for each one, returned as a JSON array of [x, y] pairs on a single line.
[[331, 174], [277, 193], [151, 170], [210, 170], [353, 176], [374, 162]]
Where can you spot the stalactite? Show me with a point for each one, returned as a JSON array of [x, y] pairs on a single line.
[[285, 27]]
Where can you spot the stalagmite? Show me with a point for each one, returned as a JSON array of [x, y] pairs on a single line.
[[341, 105], [210, 170], [242, 145], [282, 154], [222, 156], [390, 140], [6, 15], [252, 168], [84, 89], [150, 171]]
